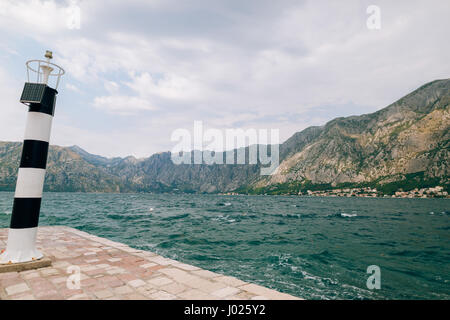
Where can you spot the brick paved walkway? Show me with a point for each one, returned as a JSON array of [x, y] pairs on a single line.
[[112, 270]]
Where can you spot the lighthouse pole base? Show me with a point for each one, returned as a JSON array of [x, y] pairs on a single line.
[[23, 266], [21, 247]]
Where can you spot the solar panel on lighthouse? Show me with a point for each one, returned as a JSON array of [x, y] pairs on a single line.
[[33, 93]]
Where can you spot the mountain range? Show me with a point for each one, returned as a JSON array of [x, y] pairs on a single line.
[[404, 145]]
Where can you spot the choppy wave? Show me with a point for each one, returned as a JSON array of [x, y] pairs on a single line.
[[175, 217], [223, 204], [348, 215]]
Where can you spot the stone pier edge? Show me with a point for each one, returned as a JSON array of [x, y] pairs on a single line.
[[112, 270]]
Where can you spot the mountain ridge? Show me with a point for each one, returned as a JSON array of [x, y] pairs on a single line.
[[408, 137]]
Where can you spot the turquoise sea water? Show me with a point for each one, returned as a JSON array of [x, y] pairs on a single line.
[[315, 248]]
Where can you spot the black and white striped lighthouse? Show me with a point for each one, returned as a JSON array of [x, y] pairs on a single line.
[[40, 98]]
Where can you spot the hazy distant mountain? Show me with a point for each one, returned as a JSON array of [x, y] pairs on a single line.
[[403, 145]]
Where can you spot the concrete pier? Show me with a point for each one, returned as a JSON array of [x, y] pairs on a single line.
[[111, 271]]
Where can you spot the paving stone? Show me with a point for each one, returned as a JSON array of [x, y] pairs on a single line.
[[10, 281], [25, 296], [262, 291], [186, 267], [23, 273], [174, 288], [160, 260], [174, 273], [66, 292], [45, 294], [88, 268], [231, 281], [111, 281], [206, 274], [17, 288], [88, 282], [81, 296], [123, 290], [147, 290], [136, 283], [195, 294], [148, 265], [115, 270], [162, 295], [127, 277], [9, 275], [135, 296], [225, 292], [159, 281], [31, 275], [59, 280], [103, 294]]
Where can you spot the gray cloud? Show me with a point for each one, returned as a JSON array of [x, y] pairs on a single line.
[[278, 64]]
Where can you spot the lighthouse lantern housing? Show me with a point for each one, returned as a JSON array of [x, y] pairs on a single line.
[[40, 90], [44, 72]]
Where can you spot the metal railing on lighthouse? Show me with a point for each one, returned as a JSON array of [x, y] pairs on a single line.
[[39, 94]]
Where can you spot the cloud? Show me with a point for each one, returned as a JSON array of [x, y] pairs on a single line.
[[123, 105], [279, 64], [111, 86], [13, 113], [33, 16], [169, 86], [73, 87]]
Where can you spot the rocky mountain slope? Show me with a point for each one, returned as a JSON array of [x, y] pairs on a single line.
[[409, 137], [404, 145], [66, 171]]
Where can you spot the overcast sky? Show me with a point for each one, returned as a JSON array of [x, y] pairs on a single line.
[[139, 69]]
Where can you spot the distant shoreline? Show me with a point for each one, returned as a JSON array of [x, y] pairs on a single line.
[[232, 194]]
